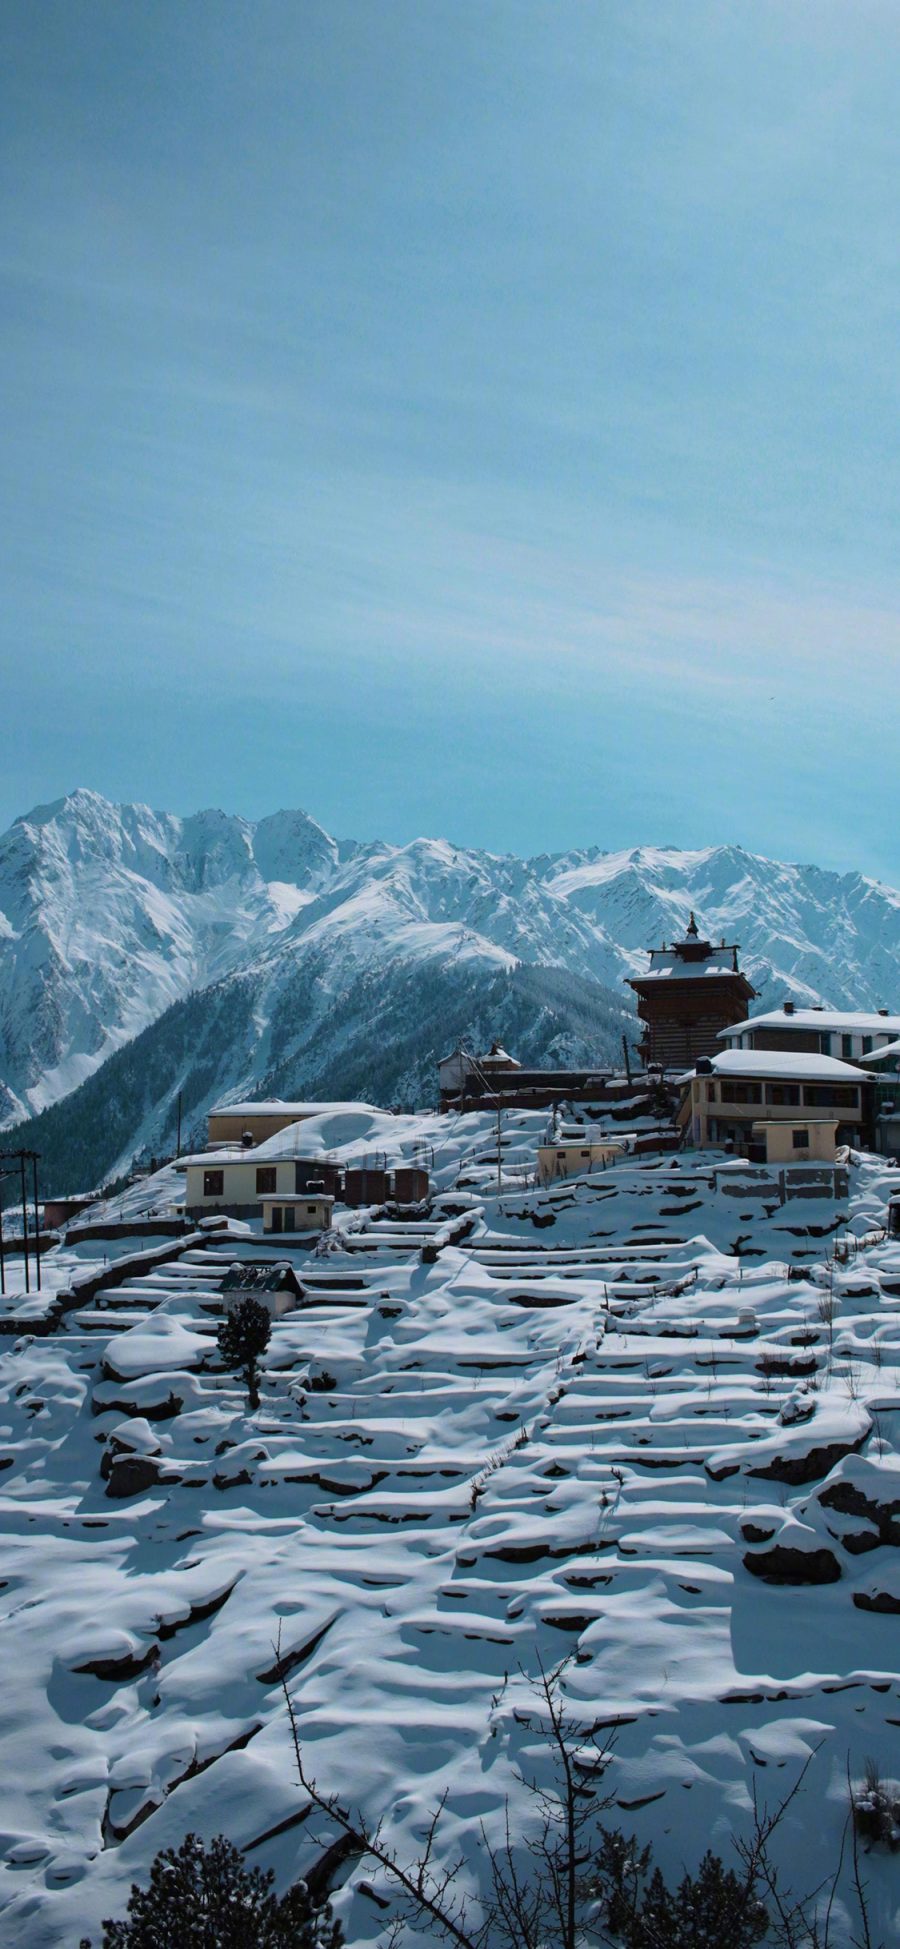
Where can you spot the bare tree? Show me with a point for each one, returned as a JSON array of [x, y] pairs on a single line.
[[574, 1882]]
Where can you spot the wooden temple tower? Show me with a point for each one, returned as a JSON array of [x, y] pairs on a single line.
[[690, 991]]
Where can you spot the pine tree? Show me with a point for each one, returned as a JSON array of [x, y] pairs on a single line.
[[205, 1898], [242, 1340]]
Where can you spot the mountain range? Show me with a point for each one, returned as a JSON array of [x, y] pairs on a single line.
[[143, 955]]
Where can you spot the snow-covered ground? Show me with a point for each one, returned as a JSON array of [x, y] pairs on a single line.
[[601, 1421]]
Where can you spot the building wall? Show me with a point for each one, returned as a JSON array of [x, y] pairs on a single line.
[[807, 1042], [684, 1017], [845, 1045], [309, 1214], [819, 1149], [239, 1185]]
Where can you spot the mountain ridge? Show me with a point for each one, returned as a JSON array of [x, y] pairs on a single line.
[[110, 915]]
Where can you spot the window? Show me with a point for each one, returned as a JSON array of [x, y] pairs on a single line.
[[311, 1211], [213, 1184], [800, 1139], [867, 1045], [288, 1218], [741, 1092], [782, 1093], [829, 1096], [846, 1046], [277, 1218], [266, 1180]]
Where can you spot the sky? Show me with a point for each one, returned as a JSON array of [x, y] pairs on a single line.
[[465, 417]]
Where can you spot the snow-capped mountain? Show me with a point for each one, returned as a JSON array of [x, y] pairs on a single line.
[[323, 952]]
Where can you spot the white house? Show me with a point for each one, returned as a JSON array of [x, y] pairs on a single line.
[[236, 1181]]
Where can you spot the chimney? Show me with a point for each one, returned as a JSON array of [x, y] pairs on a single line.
[[788, 1008], [882, 1011]]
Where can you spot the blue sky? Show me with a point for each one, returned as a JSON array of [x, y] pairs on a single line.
[[458, 416]]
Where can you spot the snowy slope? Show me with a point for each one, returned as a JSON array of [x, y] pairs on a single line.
[[583, 1430], [109, 914]]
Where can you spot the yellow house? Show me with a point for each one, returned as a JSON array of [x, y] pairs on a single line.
[[571, 1159], [231, 1123]]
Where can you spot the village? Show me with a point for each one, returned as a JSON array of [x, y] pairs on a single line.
[[593, 1370], [782, 1098], [792, 1090]]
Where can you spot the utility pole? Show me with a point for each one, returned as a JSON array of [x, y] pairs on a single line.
[[178, 1138], [499, 1170], [37, 1219], [24, 1221], [627, 1061]]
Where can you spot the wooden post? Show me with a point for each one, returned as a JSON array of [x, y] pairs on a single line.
[[627, 1061]]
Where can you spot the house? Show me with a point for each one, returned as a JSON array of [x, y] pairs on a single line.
[[233, 1123], [691, 991], [276, 1287], [309, 1212], [848, 1034], [726, 1094], [571, 1159]]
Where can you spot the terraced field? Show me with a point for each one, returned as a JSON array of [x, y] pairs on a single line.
[[645, 1422]]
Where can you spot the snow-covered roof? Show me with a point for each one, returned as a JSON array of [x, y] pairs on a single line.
[[253, 1275], [780, 1063], [890, 1052], [669, 966], [850, 1021], [277, 1109]]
